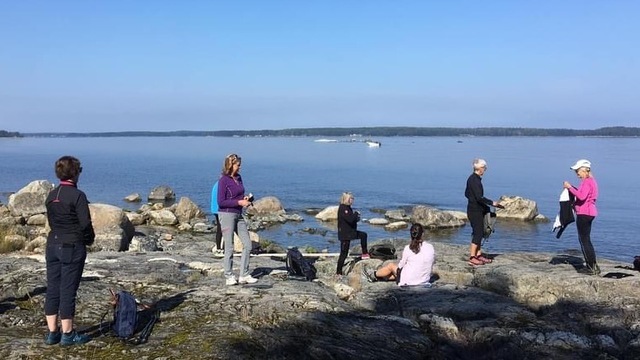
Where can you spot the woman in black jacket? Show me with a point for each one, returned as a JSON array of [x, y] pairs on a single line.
[[71, 232], [477, 207], [348, 230]]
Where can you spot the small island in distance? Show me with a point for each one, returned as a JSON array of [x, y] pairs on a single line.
[[614, 131]]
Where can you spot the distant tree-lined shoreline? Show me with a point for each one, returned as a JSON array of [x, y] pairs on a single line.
[[616, 131], [4, 133]]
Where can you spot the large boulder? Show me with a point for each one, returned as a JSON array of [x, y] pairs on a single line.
[[329, 213], [266, 205], [516, 207], [162, 193], [186, 210], [237, 243], [113, 229], [30, 199], [433, 218], [162, 217]]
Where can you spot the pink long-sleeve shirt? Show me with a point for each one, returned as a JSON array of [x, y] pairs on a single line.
[[586, 196]]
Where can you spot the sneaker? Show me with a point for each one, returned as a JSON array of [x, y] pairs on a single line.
[[370, 276], [247, 279], [73, 338], [231, 281], [365, 257], [52, 338]]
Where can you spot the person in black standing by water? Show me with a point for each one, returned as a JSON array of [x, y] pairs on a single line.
[[477, 207], [71, 232], [214, 210], [348, 230]]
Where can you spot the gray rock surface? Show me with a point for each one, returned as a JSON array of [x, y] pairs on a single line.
[[523, 305]]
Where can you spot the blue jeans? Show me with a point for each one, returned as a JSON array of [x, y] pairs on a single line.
[[230, 223], [65, 263]]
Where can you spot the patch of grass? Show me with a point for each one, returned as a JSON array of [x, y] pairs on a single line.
[[7, 242], [26, 304], [264, 243], [310, 250]]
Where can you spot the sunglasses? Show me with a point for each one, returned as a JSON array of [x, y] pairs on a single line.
[[234, 157]]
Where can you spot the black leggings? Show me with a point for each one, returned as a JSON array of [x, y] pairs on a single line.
[[218, 233], [476, 219], [344, 249], [583, 223]]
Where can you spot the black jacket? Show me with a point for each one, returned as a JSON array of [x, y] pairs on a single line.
[[474, 192], [565, 215], [68, 215], [347, 223]]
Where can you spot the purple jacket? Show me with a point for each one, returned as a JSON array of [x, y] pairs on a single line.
[[230, 191]]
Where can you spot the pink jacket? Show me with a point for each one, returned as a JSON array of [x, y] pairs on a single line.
[[586, 196]]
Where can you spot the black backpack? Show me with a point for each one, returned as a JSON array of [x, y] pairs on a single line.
[[297, 265], [382, 252]]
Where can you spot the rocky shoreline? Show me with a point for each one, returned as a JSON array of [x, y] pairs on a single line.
[[523, 305]]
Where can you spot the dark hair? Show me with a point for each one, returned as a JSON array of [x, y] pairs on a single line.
[[67, 168], [416, 237]]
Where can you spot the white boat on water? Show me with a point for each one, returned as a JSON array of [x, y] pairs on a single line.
[[325, 140], [372, 143]]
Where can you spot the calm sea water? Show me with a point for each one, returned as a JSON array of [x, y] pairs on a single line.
[[405, 171]]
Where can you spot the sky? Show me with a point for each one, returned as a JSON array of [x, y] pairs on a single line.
[[114, 65]]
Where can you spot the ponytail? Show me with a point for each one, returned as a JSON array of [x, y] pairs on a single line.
[[416, 237]]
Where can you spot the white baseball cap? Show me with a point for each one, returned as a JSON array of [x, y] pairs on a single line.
[[581, 163]]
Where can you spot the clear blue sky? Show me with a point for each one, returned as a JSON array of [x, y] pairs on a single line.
[[269, 64]]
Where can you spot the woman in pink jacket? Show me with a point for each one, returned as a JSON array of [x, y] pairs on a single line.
[[585, 207]]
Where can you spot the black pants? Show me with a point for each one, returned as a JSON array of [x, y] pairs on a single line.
[[476, 219], [344, 249], [65, 263], [218, 233], [583, 223]]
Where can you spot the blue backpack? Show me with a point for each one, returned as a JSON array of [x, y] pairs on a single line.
[[125, 315], [126, 318]]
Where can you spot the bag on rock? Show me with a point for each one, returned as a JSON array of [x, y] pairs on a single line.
[[126, 318], [382, 252], [297, 265]]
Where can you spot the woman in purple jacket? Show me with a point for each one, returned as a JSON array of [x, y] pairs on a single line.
[[231, 201], [585, 207]]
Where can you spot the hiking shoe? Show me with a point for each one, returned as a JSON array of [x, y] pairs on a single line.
[[474, 261], [247, 279], [52, 338], [231, 281], [370, 276], [73, 338], [365, 257]]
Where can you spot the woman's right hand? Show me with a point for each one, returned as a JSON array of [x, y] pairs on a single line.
[[244, 202]]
